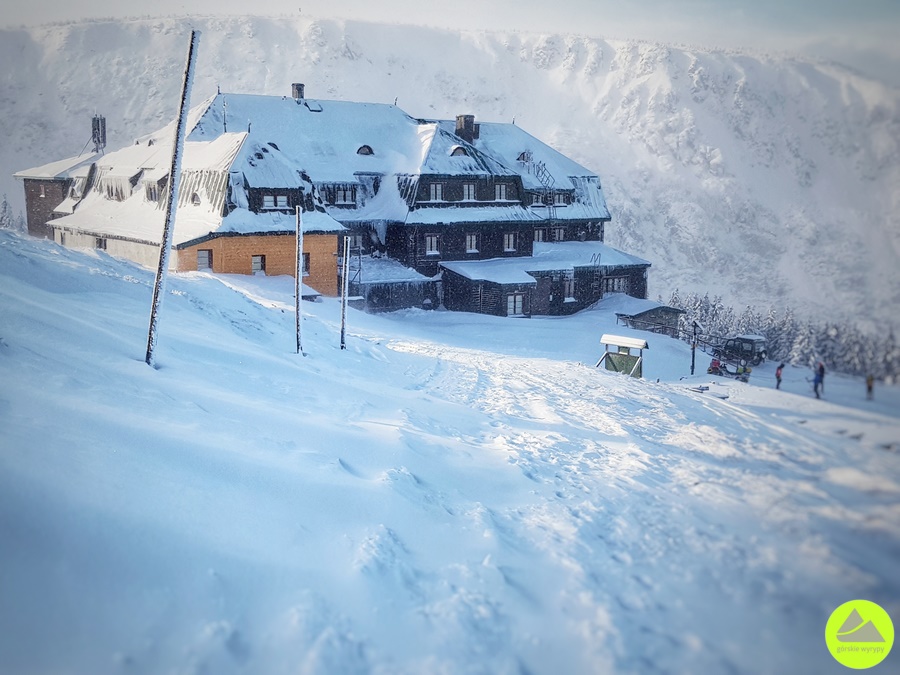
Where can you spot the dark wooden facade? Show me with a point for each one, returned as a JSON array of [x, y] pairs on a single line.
[[553, 293], [409, 243], [42, 196], [462, 294]]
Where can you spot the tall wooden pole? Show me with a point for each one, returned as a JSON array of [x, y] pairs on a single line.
[[159, 288], [298, 286], [345, 282]]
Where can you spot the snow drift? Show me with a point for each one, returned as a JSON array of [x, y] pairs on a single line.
[[453, 493]]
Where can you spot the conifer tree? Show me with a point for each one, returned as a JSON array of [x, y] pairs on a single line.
[[6, 215]]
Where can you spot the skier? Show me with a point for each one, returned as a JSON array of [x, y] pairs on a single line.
[[821, 374], [870, 387], [778, 376], [817, 382]]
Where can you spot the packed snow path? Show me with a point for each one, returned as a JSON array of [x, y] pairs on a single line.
[[444, 496]]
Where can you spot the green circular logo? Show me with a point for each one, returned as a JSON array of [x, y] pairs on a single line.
[[859, 634]]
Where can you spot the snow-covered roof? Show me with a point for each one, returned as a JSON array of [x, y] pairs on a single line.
[[508, 143], [626, 305], [382, 269], [572, 254], [562, 256], [322, 137], [239, 141], [451, 214], [496, 270], [63, 168], [243, 221]]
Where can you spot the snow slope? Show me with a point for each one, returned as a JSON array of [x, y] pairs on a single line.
[[765, 178], [453, 493]]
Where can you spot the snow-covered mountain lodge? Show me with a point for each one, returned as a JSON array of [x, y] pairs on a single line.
[[478, 217]]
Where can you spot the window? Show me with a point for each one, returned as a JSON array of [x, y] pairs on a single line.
[[515, 304], [469, 192], [258, 264], [559, 198], [436, 192], [101, 243], [540, 234], [472, 242], [345, 195], [281, 201], [537, 200], [559, 234], [195, 199], [204, 259], [365, 150], [615, 285], [509, 241], [62, 238], [569, 286], [500, 192], [432, 244], [268, 201], [43, 194], [458, 151], [306, 264]]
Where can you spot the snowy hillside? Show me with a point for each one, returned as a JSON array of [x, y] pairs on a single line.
[[766, 179], [453, 493]]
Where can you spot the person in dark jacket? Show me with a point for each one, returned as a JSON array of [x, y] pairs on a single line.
[[778, 376], [817, 382], [820, 371]]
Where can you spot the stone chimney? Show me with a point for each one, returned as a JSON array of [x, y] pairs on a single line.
[[466, 128], [297, 91]]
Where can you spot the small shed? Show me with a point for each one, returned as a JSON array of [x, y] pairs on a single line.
[[622, 360], [659, 319]]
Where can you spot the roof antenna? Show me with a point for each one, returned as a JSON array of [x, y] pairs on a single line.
[[224, 115], [218, 89], [395, 100], [248, 126]]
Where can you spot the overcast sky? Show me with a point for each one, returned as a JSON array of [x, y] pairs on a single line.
[[860, 33]]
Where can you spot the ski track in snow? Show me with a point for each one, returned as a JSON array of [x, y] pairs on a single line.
[[406, 505]]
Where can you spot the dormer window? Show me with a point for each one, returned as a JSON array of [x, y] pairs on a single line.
[[469, 192], [365, 150], [537, 200], [559, 199], [345, 195], [458, 151], [436, 192], [195, 199], [500, 192]]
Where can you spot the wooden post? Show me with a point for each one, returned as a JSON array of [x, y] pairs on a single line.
[[298, 286], [159, 288], [345, 272]]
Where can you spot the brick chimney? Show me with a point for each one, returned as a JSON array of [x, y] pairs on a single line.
[[297, 91], [466, 128]]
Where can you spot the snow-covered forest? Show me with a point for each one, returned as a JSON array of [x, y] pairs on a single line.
[[765, 179]]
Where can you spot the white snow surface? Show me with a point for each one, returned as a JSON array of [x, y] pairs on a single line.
[[766, 178], [454, 493]]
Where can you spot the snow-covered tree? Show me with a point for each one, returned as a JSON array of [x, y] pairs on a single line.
[[21, 225], [7, 221], [803, 349]]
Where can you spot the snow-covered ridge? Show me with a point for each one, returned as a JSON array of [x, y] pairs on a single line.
[[768, 179]]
